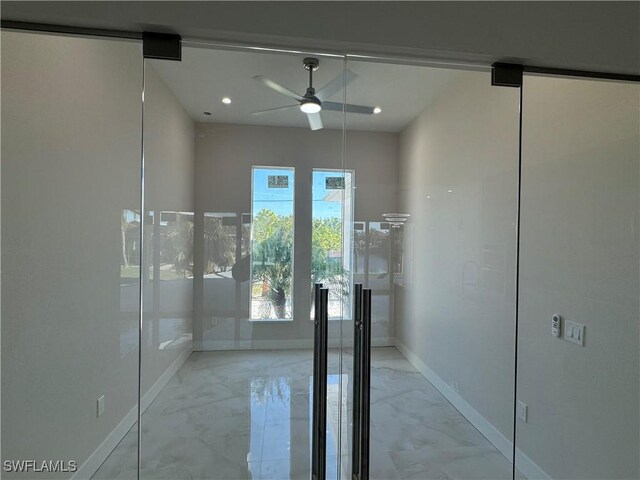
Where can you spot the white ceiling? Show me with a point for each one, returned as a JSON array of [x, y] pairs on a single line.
[[205, 76], [600, 36]]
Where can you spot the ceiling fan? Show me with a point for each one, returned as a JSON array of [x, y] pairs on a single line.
[[312, 102]]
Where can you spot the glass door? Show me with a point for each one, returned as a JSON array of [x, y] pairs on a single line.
[[434, 154], [244, 200], [579, 263], [71, 143]]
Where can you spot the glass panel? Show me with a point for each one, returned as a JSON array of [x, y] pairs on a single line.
[[435, 239], [579, 259], [236, 273], [330, 239], [378, 249], [225, 252], [272, 243], [71, 142]]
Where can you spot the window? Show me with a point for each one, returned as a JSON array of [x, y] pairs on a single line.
[[331, 238], [272, 242]]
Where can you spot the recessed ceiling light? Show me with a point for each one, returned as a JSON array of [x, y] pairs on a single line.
[[377, 110], [450, 191], [428, 196], [226, 100], [206, 113]]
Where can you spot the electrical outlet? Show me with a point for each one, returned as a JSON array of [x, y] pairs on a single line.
[[100, 406], [523, 411]]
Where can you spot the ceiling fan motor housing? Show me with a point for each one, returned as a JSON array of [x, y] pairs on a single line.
[[310, 97], [311, 63]]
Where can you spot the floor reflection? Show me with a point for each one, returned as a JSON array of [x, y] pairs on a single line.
[[270, 426], [247, 415]]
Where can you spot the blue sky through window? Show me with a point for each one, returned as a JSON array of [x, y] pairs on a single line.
[[323, 208], [280, 200]]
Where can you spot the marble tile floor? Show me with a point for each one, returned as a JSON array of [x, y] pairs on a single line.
[[247, 415]]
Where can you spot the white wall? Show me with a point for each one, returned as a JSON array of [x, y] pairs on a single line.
[[580, 258], [71, 143], [224, 157], [71, 162], [458, 310]]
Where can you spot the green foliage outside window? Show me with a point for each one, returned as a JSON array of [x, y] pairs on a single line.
[[272, 256]]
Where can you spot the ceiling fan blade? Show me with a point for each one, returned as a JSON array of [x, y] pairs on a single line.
[[315, 121], [337, 107], [260, 112], [277, 87], [335, 85]]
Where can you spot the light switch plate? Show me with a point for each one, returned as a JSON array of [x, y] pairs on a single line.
[[574, 332]]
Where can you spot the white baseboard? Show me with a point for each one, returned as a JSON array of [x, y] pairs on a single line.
[[529, 468], [380, 342], [159, 384], [524, 464], [100, 454], [213, 345]]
